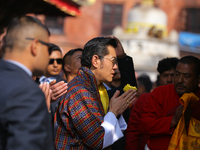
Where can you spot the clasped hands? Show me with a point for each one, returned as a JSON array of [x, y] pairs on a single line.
[[53, 91], [118, 104]]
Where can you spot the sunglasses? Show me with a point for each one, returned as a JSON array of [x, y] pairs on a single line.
[[49, 45], [59, 61]]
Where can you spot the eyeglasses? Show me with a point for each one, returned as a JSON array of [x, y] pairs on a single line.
[[112, 59], [59, 61], [49, 45]]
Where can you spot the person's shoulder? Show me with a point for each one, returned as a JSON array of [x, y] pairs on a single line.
[[164, 88], [76, 84], [144, 95]]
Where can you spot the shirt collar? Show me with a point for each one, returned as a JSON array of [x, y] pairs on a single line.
[[49, 78], [20, 65]]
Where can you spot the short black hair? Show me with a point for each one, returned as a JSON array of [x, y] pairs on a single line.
[[192, 60], [18, 24], [54, 47], [96, 46], [145, 81], [26, 20], [167, 64], [69, 53]]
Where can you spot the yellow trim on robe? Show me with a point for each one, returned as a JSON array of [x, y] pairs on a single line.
[[104, 97]]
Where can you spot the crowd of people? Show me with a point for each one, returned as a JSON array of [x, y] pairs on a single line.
[[75, 101]]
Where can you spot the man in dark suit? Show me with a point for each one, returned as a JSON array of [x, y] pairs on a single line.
[[24, 119], [125, 74]]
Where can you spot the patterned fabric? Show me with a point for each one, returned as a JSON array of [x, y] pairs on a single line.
[[78, 118]]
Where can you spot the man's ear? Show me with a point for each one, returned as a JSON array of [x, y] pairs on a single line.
[[67, 68], [34, 47], [199, 80], [95, 61]]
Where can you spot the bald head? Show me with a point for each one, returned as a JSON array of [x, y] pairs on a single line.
[[22, 27]]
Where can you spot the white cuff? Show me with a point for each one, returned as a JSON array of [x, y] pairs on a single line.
[[122, 123], [112, 129]]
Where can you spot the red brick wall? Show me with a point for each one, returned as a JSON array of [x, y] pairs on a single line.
[[77, 31]]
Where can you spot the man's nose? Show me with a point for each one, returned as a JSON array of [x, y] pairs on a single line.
[[55, 63], [115, 66], [169, 79], [180, 79]]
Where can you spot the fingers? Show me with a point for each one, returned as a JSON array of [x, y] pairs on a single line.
[[116, 94], [56, 85], [47, 92], [129, 97], [58, 90], [53, 82], [45, 88], [129, 94], [55, 97]]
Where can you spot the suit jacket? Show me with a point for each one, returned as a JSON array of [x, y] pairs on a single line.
[[127, 71], [24, 119], [79, 115]]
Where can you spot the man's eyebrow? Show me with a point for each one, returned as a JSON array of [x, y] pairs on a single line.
[[183, 73], [186, 73], [177, 71], [78, 56]]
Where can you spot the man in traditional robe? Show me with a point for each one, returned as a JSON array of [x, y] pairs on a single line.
[[134, 139], [163, 110], [80, 121]]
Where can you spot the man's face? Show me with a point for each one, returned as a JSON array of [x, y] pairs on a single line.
[[117, 75], [108, 65], [185, 79], [43, 58], [54, 66], [75, 63], [167, 77]]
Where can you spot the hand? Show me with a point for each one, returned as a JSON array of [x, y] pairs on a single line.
[[119, 49], [58, 89], [47, 92], [119, 104], [177, 116]]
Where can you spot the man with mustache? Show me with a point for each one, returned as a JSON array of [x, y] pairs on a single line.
[[134, 139], [163, 110]]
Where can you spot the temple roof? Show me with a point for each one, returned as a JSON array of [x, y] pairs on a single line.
[[12, 8]]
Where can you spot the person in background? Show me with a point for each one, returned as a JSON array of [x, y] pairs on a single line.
[[71, 63], [165, 106], [166, 68], [24, 118], [82, 121], [54, 67], [124, 74], [134, 139], [144, 84], [57, 85]]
